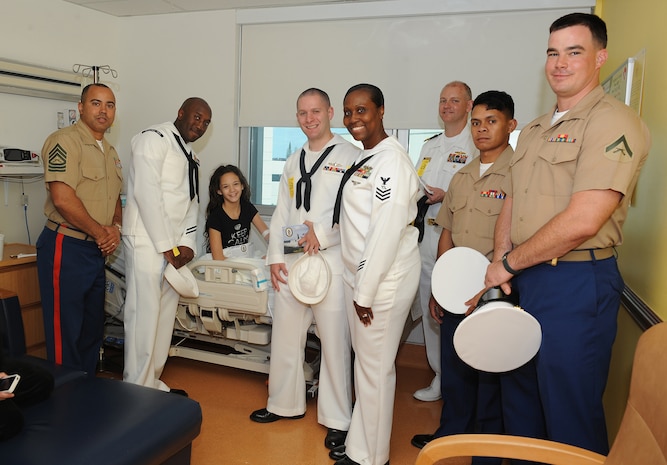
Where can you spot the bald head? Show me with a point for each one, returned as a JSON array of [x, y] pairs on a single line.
[[193, 119]]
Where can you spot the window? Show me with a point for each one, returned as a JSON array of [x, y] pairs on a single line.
[[265, 149]]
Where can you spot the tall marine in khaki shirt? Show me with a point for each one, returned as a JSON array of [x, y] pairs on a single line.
[[573, 174]]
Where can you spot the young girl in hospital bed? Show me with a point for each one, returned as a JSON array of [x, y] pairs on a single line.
[[229, 215]]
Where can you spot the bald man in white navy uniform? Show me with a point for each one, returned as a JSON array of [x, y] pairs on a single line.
[[307, 195], [159, 228], [441, 158]]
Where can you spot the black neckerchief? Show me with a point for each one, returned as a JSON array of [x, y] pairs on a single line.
[[193, 172], [339, 197], [306, 175]]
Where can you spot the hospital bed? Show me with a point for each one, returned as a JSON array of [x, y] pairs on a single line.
[[233, 311], [228, 324]]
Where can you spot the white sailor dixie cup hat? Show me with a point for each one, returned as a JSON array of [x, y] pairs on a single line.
[[182, 280], [309, 278]]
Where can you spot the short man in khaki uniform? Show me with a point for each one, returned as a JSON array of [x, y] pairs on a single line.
[[83, 182], [468, 217], [573, 173]]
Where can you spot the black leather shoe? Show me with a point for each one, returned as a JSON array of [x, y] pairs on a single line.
[[420, 440], [338, 453], [264, 416], [180, 392], [346, 461], [334, 438]]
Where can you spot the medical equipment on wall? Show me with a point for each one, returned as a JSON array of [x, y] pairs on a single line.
[[16, 162]]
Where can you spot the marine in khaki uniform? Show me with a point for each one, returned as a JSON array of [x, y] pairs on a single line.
[[468, 218], [83, 181], [573, 173]]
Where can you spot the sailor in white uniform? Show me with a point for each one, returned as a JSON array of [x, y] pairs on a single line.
[[441, 157], [159, 227], [378, 203], [308, 187]]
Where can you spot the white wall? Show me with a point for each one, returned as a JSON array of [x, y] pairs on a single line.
[[57, 35], [161, 60], [168, 58], [24, 123]]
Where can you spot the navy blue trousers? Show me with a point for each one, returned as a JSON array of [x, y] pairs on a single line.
[[71, 282], [471, 399], [577, 306]]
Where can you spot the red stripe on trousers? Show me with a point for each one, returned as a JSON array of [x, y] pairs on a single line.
[[57, 332]]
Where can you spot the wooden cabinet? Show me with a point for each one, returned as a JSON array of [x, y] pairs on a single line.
[[20, 276]]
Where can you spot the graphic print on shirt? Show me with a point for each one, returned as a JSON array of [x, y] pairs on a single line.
[[240, 236]]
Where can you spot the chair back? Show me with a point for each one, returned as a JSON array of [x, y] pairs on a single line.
[[12, 337], [642, 437]]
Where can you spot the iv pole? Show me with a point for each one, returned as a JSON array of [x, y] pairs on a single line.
[[94, 71]]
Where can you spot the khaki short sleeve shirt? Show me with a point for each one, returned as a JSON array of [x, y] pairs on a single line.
[[72, 156], [599, 144], [473, 203]]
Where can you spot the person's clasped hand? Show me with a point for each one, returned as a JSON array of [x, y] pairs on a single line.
[[109, 241]]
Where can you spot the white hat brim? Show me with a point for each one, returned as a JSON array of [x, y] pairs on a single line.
[[457, 276], [182, 280], [294, 276], [498, 337]]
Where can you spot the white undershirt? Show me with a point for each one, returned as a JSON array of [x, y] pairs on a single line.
[[101, 144], [557, 115], [483, 167]]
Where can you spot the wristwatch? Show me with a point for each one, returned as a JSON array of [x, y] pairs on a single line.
[[507, 266]]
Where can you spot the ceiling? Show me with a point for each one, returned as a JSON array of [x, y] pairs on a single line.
[[155, 7]]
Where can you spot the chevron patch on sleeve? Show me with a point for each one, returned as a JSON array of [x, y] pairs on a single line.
[[383, 192], [57, 160]]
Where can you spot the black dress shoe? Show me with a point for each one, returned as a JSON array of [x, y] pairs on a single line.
[[264, 416], [420, 440], [180, 392], [346, 461], [334, 438], [338, 453]]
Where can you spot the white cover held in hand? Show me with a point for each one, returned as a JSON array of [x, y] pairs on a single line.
[[309, 278], [182, 280], [458, 276], [498, 337]]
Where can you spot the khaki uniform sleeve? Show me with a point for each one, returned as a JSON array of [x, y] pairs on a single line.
[[611, 152], [62, 154]]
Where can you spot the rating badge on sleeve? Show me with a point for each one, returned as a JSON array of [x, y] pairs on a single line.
[[383, 192]]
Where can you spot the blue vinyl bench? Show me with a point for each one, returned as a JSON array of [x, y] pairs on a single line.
[[90, 420]]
